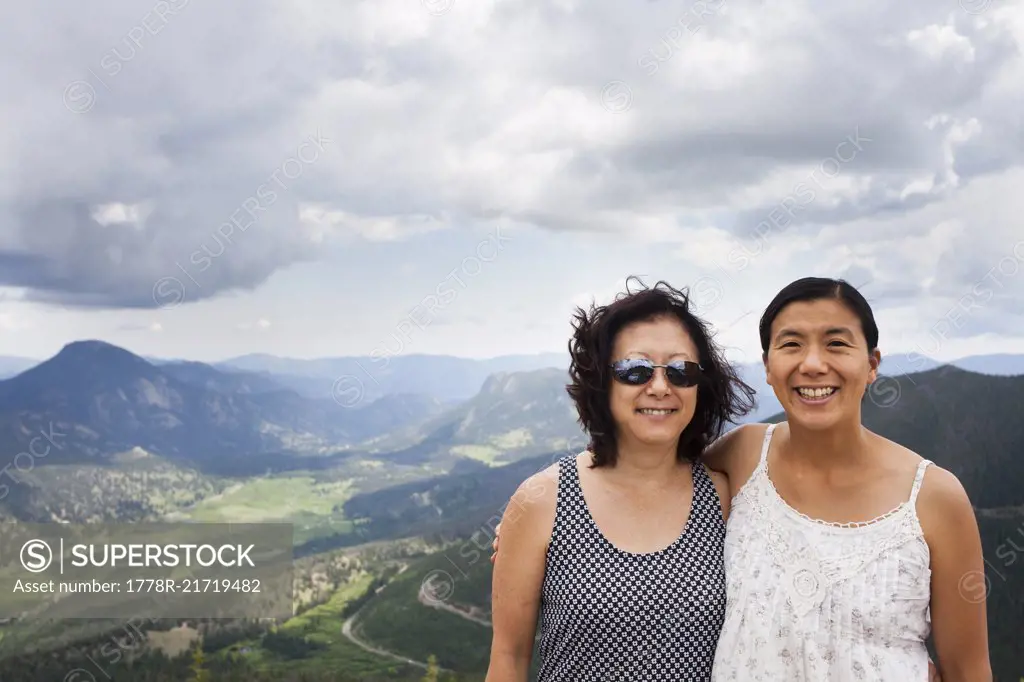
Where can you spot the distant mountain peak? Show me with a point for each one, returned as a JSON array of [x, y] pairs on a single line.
[[92, 350], [523, 381], [87, 365], [90, 345]]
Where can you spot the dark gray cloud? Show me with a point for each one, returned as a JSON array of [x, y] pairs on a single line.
[[167, 153]]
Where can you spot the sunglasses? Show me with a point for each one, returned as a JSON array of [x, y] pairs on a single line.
[[639, 371]]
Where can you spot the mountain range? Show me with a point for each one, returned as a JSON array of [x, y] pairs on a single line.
[[358, 380], [104, 400], [237, 415], [447, 378], [99, 405]]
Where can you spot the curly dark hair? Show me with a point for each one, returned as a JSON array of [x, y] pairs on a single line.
[[721, 395]]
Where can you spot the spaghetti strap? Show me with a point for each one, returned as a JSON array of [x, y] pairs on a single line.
[[764, 446], [918, 480]]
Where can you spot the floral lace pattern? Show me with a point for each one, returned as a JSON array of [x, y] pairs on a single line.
[[818, 601]]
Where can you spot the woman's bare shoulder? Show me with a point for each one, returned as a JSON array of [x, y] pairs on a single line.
[[540, 488], [534, 500], [736, 449]]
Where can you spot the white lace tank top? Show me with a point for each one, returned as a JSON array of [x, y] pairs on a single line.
[[819, 601]]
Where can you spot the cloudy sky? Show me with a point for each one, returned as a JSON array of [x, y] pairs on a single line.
[[311, 178]]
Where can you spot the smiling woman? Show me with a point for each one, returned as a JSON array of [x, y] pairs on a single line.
[[845, 550], [618, 549]]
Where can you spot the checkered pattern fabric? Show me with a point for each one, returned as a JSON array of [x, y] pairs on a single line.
[[614, 616]]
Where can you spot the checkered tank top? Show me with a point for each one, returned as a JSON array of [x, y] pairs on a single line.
[[607, 615]]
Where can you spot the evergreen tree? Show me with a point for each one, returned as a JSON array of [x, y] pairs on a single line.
[[199, 672], [432, 669]]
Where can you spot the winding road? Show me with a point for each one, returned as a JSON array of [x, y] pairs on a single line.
[[348, 626], [346, 631], [442, 606]]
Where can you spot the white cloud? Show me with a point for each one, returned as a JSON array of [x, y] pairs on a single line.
[[321, 223], [260, 325], [937, 42], [117, 213]]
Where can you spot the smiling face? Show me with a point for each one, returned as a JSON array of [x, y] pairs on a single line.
[[819, 364], [656, 413]]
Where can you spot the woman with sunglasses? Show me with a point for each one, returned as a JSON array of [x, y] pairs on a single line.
[[619, 550]]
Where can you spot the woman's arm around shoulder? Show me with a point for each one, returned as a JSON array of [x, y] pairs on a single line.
[[518, 575], [736, 454], [959, 587]]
